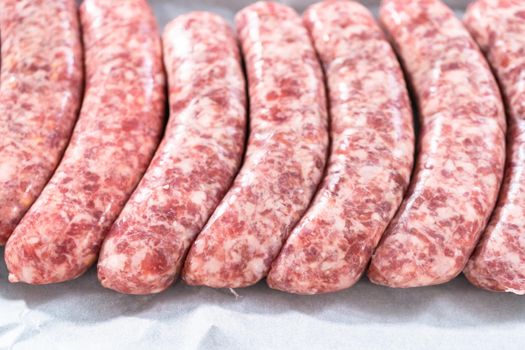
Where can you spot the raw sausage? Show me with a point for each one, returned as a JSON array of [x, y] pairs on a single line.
[[40, 97], [461, 150], [194, 165], [498, 262], [285, 155], [115, 137], [117, 132], [371, 155]]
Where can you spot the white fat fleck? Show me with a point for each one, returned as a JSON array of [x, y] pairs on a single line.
[[27, 274], [104, 215], [143, 194], [256, 266], [339, 223], [344, 90], [212, 265], [513, 258], [199, 243], [228, 247], [33, 240], [330, 264], [445, 213], [187, 165], [114, 262], [129, 75], [138, 257], [359, 153], [444, 266], [6, 170], [198, 197], [370, 171]]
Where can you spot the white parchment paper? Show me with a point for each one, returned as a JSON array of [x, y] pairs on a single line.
[[83, 315]]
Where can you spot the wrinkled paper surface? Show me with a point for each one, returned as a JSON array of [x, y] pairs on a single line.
[[83, 315]]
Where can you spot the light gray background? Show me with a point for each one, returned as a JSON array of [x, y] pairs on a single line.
[[83, 315]]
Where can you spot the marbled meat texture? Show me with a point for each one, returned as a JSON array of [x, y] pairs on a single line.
[[461, 151], [498, 262], [193, 167], [371, 155], [285, 155], [40, 94], [117, 132]]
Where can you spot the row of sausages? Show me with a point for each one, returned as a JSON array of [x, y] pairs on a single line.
[[317, 185]]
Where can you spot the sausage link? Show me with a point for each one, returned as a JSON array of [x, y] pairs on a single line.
[[193, 167], [461, 150], [40, 97], [498, 262], [371, 155], [285, 155], [115, 137]]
